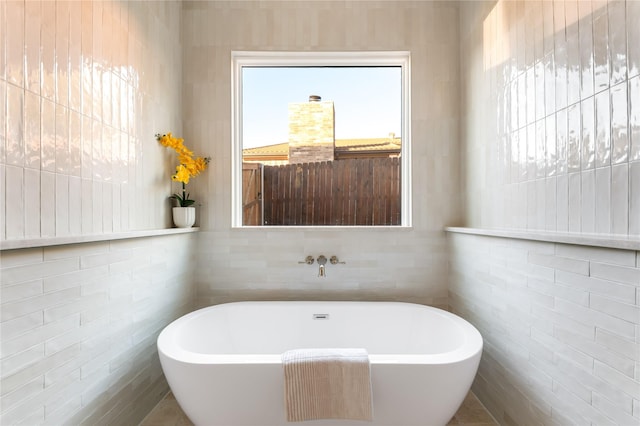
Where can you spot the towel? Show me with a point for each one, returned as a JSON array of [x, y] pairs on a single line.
[[327, 384]]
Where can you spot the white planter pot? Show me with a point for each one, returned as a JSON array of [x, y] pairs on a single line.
[[184, 217]]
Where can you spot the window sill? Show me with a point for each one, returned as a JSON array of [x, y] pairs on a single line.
[[79, 239], [596, 240]]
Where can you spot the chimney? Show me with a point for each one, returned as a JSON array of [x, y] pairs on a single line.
[[311, 131]]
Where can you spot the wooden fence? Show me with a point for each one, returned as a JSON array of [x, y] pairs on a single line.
[[251, 194], [341, 192]]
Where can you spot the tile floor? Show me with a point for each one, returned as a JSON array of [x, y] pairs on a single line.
[[168, 413]]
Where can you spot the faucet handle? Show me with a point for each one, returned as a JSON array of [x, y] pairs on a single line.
[[334, 260], [308, 260]]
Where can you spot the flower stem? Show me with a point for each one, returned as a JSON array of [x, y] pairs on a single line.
[[184, 196]]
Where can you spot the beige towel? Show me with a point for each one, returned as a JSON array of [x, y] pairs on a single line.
[[327, 384]]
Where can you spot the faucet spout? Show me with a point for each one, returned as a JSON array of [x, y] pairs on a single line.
[[322, 260]]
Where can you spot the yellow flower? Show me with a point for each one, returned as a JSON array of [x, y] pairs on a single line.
[[182, 174], [188, 166]]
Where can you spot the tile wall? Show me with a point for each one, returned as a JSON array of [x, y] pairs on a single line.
[[79, 325], [560, 325], [84, 86], [405, 264], [550, 132], [551, 112]]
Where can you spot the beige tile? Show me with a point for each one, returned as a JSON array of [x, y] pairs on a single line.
[[169, 413]]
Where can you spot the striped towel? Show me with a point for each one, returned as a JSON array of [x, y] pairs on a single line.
[[327, 384]]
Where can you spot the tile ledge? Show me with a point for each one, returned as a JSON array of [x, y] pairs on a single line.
[[79, 239], [595, 240]]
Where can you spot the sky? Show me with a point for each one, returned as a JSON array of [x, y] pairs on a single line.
[[367, 100]]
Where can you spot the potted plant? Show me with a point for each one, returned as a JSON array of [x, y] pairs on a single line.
[[184, 214]]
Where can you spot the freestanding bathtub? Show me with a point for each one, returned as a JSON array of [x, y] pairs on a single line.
[[223, 362]]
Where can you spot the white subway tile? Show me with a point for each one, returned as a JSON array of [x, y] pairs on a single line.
[[599, 319], [15, 127], [595, 350], [587, 138], [621, 274], [73, 335], [62, 205], [603, 200], [14, 381], [634, 118], [627, 312], [614, 256], [30, 272], [75, 250], [634, 198], [101, 259], [618, 344], [32, 148], [10, 364], [612, 410], [617, 40], [571, 294], [47, 204], [620, 199], [75, 205], [575, 195], [3, 186], [25, 306], [18, 326], [562, 218], [603, 127], [588, 202], [559, 262], [601, 51], [14, 210], [619, 124], [32, 202], [75, 278], [621, 292], [25, 392], [616, 378], [20, 291], [11, 258], [573, 138]]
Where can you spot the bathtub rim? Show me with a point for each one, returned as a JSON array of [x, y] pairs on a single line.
[[472, 346]]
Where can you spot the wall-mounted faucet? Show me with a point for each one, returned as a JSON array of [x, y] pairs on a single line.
[[322, 261]]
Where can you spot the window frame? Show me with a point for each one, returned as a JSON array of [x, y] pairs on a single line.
[[240, 59]]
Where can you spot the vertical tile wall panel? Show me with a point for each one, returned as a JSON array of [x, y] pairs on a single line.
[[594, 67], [64, 75]]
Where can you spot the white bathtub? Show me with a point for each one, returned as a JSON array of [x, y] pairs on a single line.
[[223, 362]]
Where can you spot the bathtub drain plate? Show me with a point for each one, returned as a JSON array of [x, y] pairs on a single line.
[[320, 316]]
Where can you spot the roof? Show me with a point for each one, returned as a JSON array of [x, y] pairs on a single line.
[[342, 146]]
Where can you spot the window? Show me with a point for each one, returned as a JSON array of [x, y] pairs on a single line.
[[321, 139]]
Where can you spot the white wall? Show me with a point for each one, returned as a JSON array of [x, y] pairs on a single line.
[[404, 264], [551, 113], [83, 88], [79, 325], [551, 141], [560, 326]]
